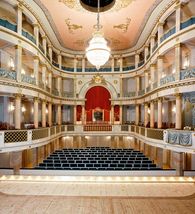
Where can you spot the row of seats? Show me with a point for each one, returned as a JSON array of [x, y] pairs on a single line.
[[97, 158]]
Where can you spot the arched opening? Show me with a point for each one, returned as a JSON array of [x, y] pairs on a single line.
[[97, 104]]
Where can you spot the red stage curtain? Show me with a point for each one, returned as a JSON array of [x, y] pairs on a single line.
[[98, 96]]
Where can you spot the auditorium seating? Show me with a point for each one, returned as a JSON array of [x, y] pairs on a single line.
[[97, 158]]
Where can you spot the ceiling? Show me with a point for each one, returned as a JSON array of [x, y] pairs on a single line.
[[73, 25]]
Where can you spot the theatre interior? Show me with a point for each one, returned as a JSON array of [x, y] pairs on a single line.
[[97, 106]]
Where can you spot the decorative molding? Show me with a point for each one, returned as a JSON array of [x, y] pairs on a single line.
[[98, 79]]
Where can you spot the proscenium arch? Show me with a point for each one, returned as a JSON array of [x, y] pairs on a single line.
[[87, 86]]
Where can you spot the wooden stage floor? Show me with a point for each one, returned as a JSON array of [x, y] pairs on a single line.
[[34, 195]]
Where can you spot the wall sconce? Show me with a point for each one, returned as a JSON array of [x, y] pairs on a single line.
[[186, 62], [11, 64], [174, 109], [173, 71], [148, 111], [32, 75], [23, 71], [163, 75], [46, 111], [23, 109], [11, 107]]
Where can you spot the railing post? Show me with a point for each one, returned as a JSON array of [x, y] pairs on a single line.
[[29, 136]]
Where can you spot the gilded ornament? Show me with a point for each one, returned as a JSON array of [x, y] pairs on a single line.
[[115, 82], [124, 27], [98, 79], [72, 27], [80, 82]]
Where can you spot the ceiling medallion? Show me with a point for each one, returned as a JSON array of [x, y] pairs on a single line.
[[75, 4], [98, 79]]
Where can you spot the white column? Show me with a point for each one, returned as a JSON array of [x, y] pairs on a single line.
[[50, 81], [44, 38], [36, 69], [137, 84], [121, 114], [75, 64], [36, 112], [19, 19], [146, 52], [146, 118], [60, 61], [44, 70], [18, 62], [50, 114], [43, 113], [160, 31], [36, 33], [146, 80], [121, 64], [178, 17], [137, 114], [83, 64], [50, 52], [112, 64], [136, 60], [59, 114], [160, 113], [178, 114], [75, 114], [177, 61], [152, 114], [59, 85], [160, 68], [152, 72], [152, 43], [18, 111]]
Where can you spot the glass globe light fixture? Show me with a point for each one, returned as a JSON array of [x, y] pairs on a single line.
[[98, 52]]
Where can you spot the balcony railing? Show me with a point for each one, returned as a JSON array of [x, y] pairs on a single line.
[[155, 47], [141, 92], [55, 64], [55, 92], [28, 79], [167, 79], [27, 137], [130, 94], [8, 25], [148, 88], [67, 69], [67, 94], [129, 68], [188, 73], [29, 36], [7, 74], [168, 34], [41, 48], [187, 23], [140, 63]]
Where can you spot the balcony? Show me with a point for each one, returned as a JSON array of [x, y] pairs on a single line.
[[8, 25], [41, 48], [141, 92], [155, 85], [188, 73], [41, 84], [155, 47], [167, 35], [148, 89], [130, 94], [187, 23], [7, 74], [140, 63], [167, 79], [129, 68], [67, 94], [55, 92], [28, 79], [28, 36], [55, 64], [173, 138]]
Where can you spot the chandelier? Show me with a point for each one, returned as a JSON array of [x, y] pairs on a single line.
[[98, 52]]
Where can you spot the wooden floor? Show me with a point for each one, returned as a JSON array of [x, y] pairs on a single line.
[[96, 198]]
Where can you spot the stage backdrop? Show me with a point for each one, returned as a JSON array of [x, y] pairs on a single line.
[[97, 96]]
